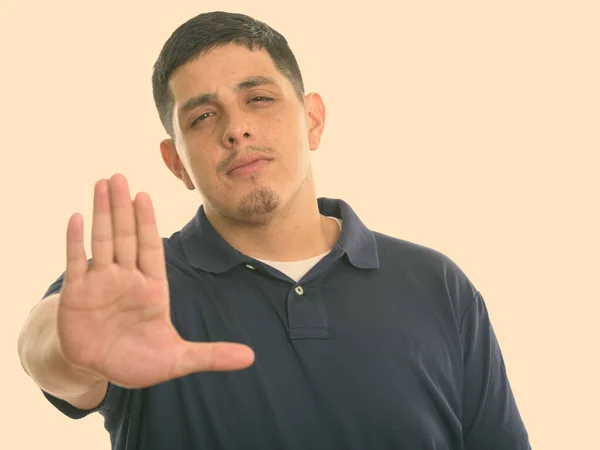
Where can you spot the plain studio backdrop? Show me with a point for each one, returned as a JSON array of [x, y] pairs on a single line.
[[468, 127]]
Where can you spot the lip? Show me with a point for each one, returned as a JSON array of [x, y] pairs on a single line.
[[248, 159]]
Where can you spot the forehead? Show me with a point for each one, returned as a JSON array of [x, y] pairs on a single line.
[[222, 68]]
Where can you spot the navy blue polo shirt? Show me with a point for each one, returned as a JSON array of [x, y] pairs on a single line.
[[387, 345]]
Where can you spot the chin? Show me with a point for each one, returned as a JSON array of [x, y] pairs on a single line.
[[259, 203]]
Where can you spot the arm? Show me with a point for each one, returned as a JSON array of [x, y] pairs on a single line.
[[491, 419], [42, 358]]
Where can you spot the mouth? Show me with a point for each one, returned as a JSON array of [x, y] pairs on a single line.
[[248, 166]]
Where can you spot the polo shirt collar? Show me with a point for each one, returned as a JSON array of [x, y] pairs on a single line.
[[206, 250]]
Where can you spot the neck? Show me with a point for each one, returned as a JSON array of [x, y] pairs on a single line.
[[297, 231]]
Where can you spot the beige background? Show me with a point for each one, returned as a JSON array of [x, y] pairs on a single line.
[[462, 126]]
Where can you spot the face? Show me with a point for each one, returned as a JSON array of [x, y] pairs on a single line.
[[234, 108]]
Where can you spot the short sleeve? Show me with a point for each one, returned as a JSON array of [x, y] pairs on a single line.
[[111, 403], [113, 400], [491, 419]]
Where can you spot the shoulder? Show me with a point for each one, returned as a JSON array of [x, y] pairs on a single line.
[[176, 261], [425, 265], [411, 253]]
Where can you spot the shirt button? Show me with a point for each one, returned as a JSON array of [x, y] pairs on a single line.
[[299, 290], [250, 267]]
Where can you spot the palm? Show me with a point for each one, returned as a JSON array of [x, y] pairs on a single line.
[[114, 317]]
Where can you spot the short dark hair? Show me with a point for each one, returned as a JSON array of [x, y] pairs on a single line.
[[207, 31]]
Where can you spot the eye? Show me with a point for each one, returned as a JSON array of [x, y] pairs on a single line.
[[261, 98], [199, 118]]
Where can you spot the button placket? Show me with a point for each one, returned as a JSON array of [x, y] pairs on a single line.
[[307, 316]]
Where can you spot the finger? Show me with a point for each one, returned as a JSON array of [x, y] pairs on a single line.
[[213, 356], [124, 228], [102, 235], [151, 254], [77, 264]]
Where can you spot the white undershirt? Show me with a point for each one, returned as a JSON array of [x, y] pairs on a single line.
[[297, 269]]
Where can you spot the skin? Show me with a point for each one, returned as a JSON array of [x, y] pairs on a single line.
[[272, 214], [113, 319]]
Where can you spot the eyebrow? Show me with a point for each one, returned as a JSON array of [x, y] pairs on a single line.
[[203, 99]]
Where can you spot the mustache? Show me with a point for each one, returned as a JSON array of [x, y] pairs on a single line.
[[223, 165]]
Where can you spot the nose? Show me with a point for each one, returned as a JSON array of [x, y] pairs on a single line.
[[232, 140], [238, 132]]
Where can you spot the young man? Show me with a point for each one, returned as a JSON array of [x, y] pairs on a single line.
[[273, 319]]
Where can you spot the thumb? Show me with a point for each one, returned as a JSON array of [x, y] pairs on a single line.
[[213, 356]]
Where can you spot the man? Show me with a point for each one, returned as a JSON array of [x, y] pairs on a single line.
[[273, 319]]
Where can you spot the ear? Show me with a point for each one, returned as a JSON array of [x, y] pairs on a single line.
[[315, 118], [173, 162]]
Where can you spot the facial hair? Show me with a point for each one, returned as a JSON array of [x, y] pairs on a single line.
[[259, 201]]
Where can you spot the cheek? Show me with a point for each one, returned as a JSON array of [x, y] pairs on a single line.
[[200, 167], [292, 132]]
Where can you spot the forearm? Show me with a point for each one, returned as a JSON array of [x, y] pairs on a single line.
[[43, 359]]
